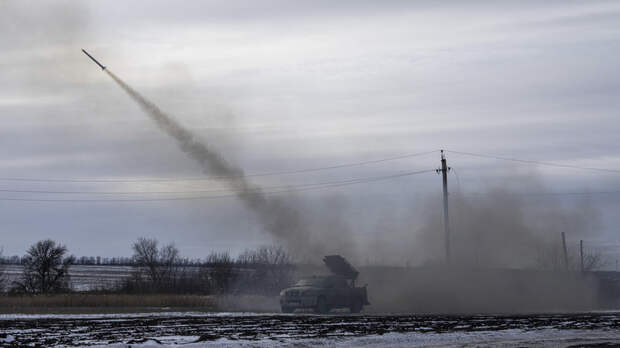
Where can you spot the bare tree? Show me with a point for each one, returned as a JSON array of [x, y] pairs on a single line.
[[551, 257], [220, 272], [146, 257], [273, 255], [273, 268], [593, 261], [168, 259], [2, 273], [46, 269], [159, 264]]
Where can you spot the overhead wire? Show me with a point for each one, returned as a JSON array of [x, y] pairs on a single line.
[[298, 188], [533, 194], [172, 192], [543, 163], [283, 172], [512, 159], [278, 188]]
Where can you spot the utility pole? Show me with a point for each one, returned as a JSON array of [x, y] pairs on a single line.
[[446, 217], [581, 253], [565, 251]]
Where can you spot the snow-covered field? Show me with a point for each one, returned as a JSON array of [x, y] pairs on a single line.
[[258, 330], [194, 329], [83, 277], [508, 338]]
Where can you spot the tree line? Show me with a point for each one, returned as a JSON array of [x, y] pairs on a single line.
[[158, 269], [100, 261]]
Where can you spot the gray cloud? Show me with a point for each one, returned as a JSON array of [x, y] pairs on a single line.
[[284, 85]]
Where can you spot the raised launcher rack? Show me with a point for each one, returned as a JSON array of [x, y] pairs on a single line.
[[340, 266]]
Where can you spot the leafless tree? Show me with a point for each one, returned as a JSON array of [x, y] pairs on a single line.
[[593, 261], [169, 260], [273, 255], [46, 269], [219, 272], [551, 257], [158, 264], [2, 273], [145, 255], [273, 268]]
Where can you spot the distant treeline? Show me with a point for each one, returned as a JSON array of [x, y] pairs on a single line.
[[157, 270], [104, 261], [264, 271], [83, 260]]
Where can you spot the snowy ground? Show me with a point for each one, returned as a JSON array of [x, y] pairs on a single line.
[[258, 330]]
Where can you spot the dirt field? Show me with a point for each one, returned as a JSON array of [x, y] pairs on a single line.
[[247, 329]]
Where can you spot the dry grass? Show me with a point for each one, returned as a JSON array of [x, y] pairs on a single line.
[[119, 303], [114, 302]]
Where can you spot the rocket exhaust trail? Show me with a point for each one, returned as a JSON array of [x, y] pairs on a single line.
[[281, 220]]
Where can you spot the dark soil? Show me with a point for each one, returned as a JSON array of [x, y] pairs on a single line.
[[46, 332]]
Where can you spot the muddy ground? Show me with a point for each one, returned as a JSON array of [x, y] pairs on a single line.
[[203, 329]]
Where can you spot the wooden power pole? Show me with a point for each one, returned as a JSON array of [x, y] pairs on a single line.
[[565, 251], [581, 253], [446, 217]]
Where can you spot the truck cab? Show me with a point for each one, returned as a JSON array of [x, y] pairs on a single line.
[[324, 293]]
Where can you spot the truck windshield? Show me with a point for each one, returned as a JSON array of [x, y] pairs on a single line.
[[319, 282]]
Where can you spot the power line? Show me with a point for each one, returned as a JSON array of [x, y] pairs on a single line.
[[316, 186], [285, 172], [585, 193], [543, 163], [176, 192]]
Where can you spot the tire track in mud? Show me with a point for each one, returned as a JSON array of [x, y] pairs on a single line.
[[67, 331]]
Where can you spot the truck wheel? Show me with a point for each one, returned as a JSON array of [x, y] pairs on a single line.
[[321, 306], [287, 309], [356, 306]]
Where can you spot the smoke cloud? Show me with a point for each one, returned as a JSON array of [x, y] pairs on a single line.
[[283, 221], [503, 228], [497, 229], [506, 257]]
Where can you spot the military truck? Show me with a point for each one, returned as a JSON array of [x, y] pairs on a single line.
[[324, 293]]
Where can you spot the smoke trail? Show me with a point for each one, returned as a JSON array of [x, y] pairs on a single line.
[[281, 220]]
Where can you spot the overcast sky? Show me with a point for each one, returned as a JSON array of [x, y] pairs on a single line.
[[287, 85]]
